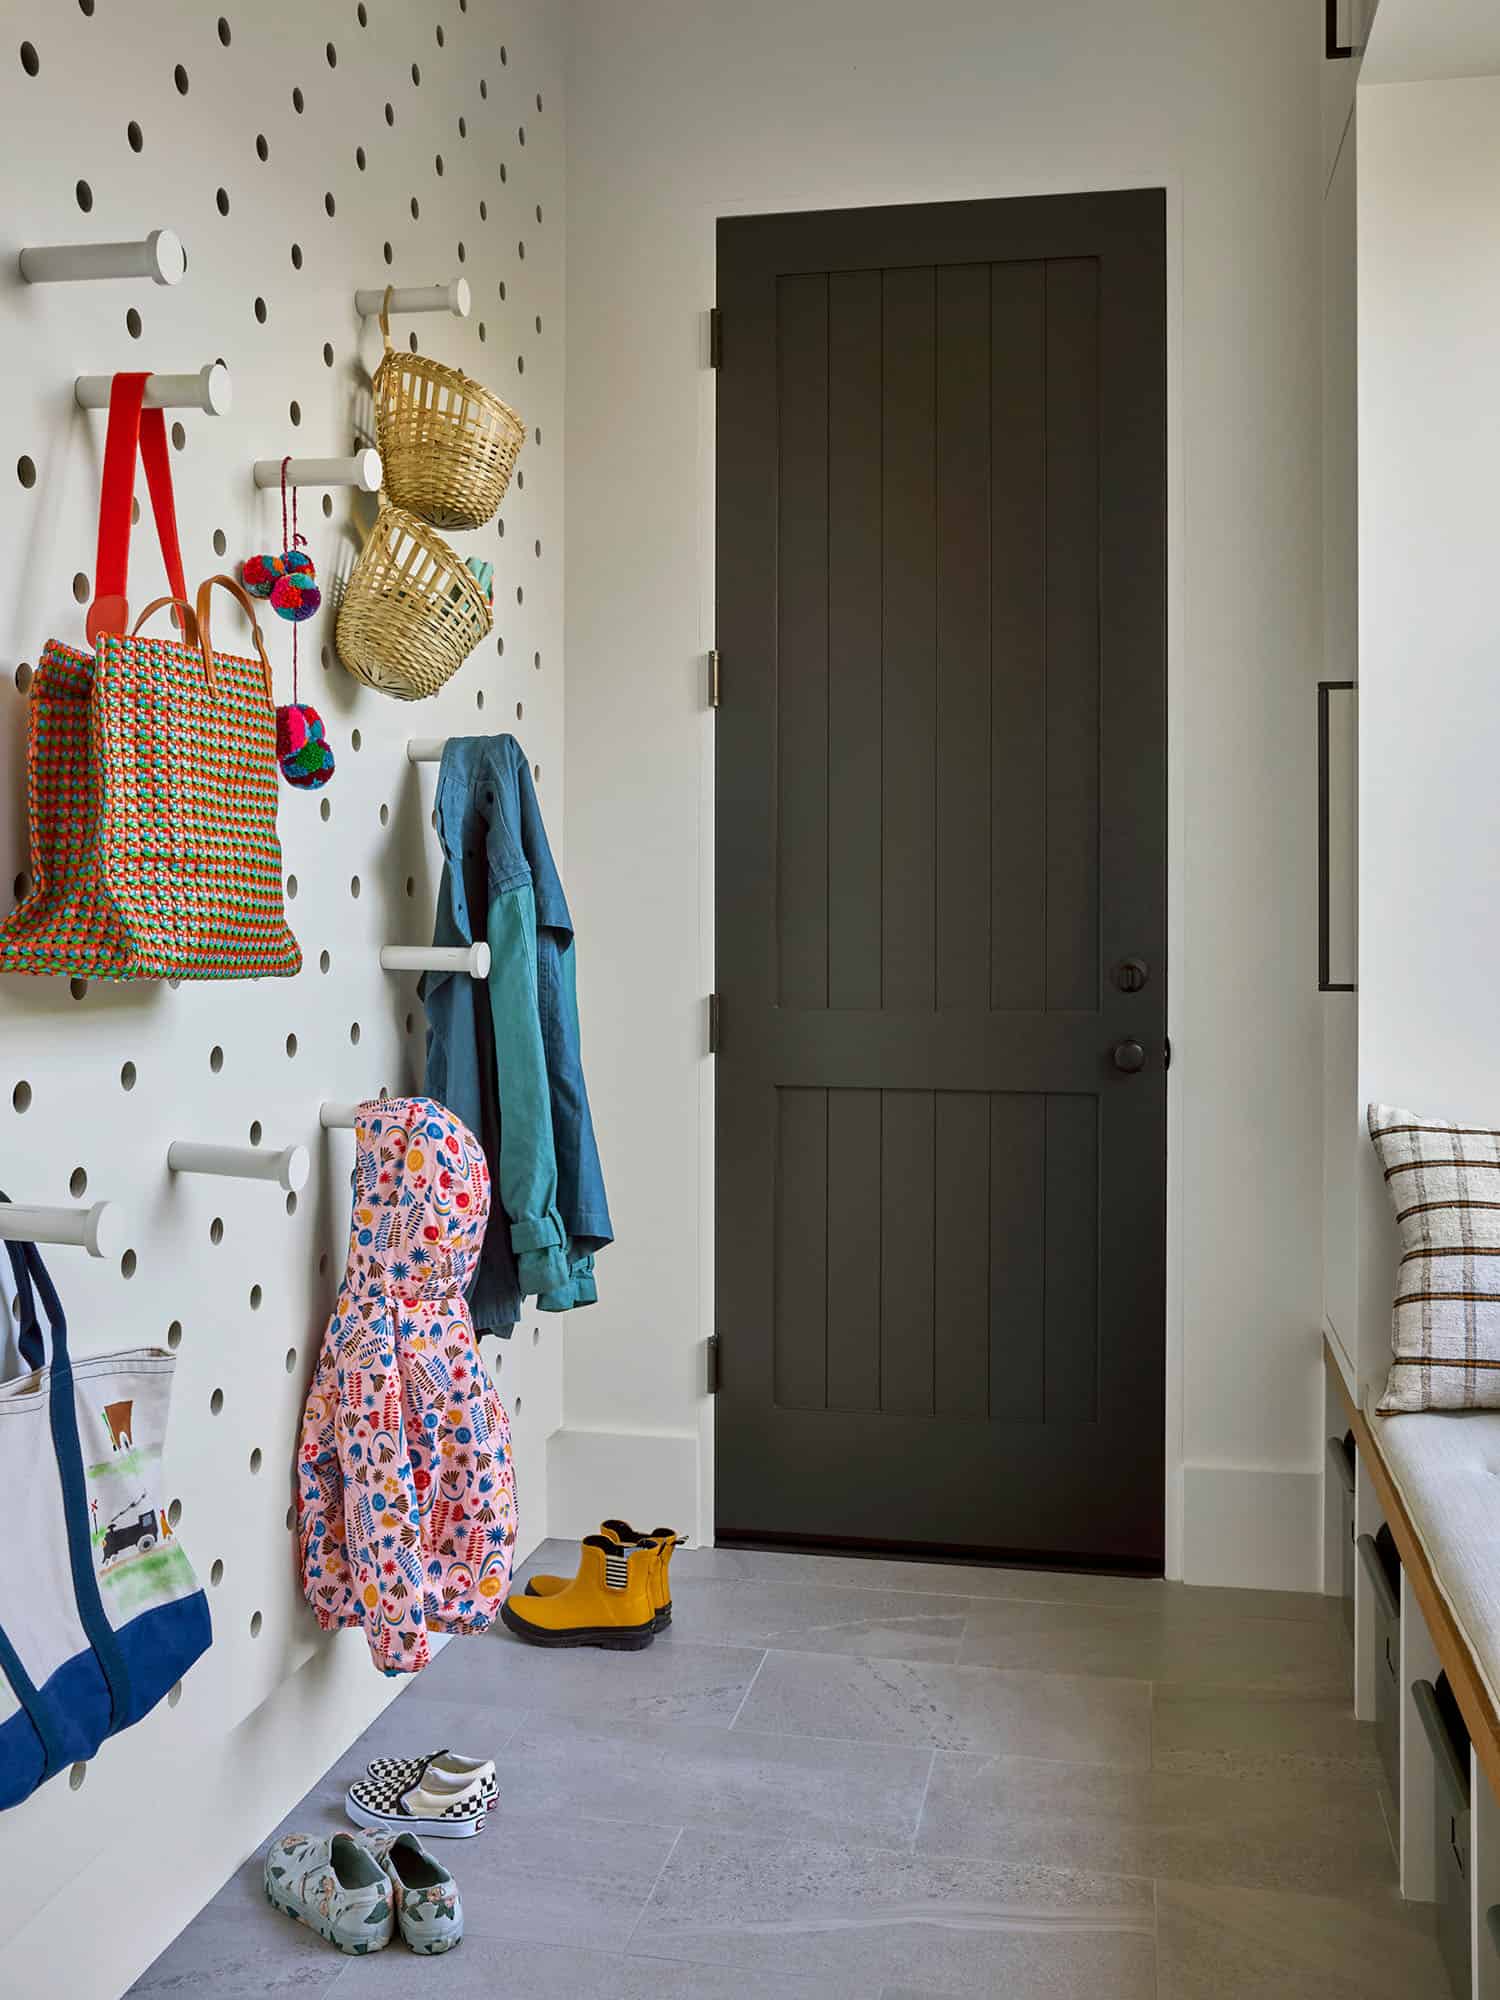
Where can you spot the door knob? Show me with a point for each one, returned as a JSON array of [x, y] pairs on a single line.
[[1128, 1056]]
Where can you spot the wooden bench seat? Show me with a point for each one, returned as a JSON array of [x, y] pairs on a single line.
[[1437, 1477]]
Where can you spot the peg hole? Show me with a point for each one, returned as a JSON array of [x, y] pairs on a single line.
[[216, 1404], [354, 1033], [180, 78], [128, 1264], [127, 1076], [76, 1775], [216, 1574], [216, 1231], [174, 1335], [289, 1361], [81, 588], [26, 470], [216, 1058], [135, 138], [255, 1131], [84, 195], [78, 1182], [256, 1622]]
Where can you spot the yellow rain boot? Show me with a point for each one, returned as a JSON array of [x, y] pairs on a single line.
[[609, 1602], [662, 1540]]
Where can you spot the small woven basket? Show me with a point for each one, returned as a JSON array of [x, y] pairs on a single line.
[[448, 445], [412, 611]]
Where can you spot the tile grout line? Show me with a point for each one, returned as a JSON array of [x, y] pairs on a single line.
[[916, 1834], [651, 1892], [765, 1655]]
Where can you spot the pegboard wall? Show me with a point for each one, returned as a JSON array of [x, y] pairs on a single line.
[[301, 152]]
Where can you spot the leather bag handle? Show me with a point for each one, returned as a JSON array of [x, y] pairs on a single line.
[[188, 619], [132, 427], [205, 637]]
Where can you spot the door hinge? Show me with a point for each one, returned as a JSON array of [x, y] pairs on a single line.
[[1167, 1053], [713, 678], [715, 337], [714, 1023], [711, 1364]]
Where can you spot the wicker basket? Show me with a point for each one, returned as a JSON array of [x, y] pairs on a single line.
[[447, 444], [412, 612]]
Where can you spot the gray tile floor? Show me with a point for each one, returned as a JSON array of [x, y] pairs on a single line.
[[846, 1780]]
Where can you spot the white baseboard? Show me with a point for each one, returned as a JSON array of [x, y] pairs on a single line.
[[1253, 1527], [647, 1477]]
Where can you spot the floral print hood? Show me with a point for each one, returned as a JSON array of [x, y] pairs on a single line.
[[421, 1201]]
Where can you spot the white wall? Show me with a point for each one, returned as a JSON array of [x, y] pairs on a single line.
[[1429, 306], [679, 112], [104, 1875]]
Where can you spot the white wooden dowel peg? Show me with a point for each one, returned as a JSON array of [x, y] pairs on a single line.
[[210, 390], [450, 298], [344, 1117], [425, 749], [289, 1168], [362, 471], [100, 1230], [471, 958], [159, 257]]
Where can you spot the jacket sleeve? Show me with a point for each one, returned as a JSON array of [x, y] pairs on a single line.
[[528, 1162], [381, 1509]]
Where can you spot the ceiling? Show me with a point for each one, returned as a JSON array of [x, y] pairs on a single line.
[[1417, 40]]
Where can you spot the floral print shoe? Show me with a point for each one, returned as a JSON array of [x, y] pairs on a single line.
[[335, 1886], [428, 1911]]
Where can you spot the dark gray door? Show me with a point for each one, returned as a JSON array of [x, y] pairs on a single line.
[[941, 896]]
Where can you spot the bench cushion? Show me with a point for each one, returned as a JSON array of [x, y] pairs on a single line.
[[1444, 1184], [1446, 1468]]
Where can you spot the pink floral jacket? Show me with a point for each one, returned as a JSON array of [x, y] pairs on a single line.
[[406, 1503]]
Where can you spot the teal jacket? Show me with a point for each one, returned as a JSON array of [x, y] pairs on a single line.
[[503, 1053]]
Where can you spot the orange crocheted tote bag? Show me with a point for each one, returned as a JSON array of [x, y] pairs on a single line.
[[151, 765]]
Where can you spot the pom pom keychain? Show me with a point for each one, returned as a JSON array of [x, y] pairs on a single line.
[[290, 582]]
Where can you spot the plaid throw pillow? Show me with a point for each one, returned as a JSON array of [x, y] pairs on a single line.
[[1444, 1182]]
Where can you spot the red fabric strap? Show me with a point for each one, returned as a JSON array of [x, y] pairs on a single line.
[[130, 424]]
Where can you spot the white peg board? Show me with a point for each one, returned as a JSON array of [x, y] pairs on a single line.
[[301, 152]]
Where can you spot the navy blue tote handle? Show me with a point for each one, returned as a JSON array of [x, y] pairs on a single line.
[[29, 1271]]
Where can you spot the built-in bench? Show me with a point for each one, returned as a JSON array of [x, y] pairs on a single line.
[[1434, 1479]]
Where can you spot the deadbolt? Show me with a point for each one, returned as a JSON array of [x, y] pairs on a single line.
[[1131, 974], [1129, 1057]]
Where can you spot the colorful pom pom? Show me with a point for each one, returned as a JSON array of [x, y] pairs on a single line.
[[260, 574], [302, 749], [289, 580], [295, 599]]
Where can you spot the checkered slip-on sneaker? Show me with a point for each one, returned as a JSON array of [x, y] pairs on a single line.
[[420, 1804], [445, 1767], [428, 1910], [334, 1886]]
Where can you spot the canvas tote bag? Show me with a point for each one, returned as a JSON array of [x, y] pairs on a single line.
[[100, 1612], [151, 771]]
